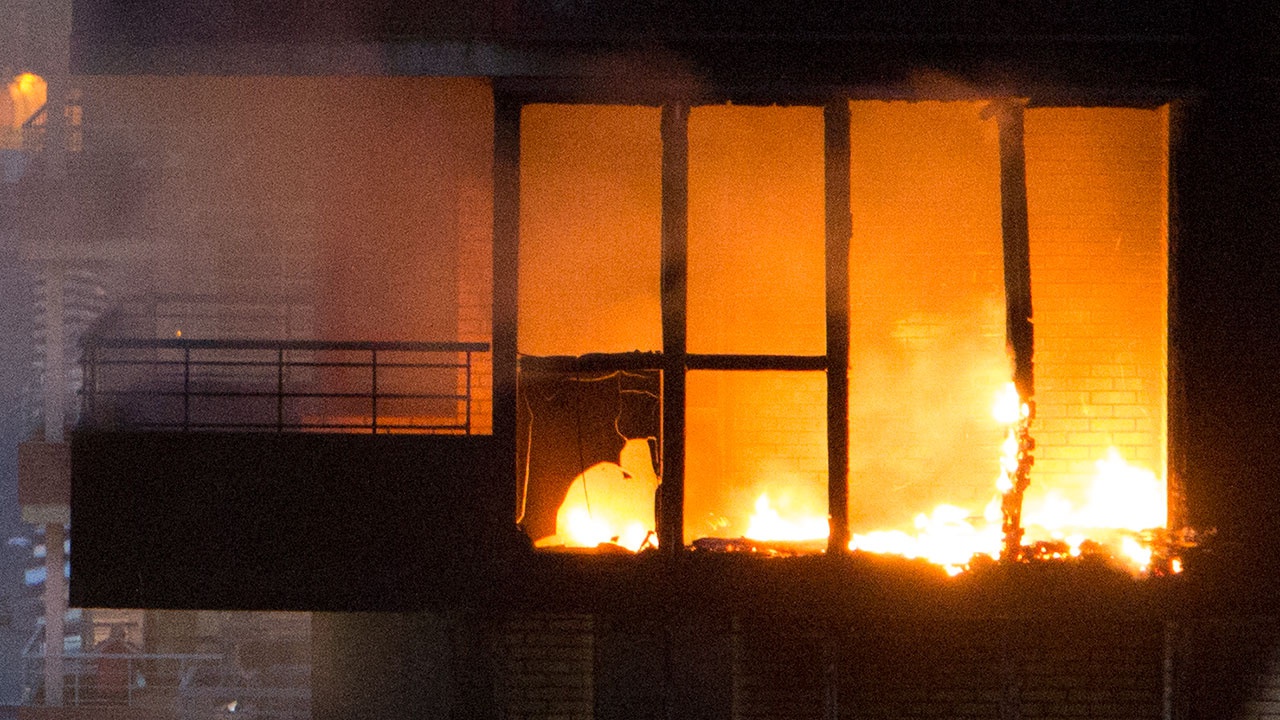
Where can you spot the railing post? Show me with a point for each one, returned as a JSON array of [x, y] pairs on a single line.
[[373, 388], [468, 396], [280, 389], [186, 388]]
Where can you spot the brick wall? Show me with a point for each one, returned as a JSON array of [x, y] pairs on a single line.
[[750, 433], [760, 667], [756, 230], [927, 348], [545, 667], [590, 229], [777, 669], [475, 295], [755, 286], [1097, 205], [927, 306], [1229, 667], [926, 293]]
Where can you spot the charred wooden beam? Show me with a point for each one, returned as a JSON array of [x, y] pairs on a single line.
[[675, 290], [1019, 331], [592, 362], [506, 248], [839, 227], [816, 363], [1017, 243]]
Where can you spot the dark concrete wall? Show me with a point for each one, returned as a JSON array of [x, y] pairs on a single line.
[[315, 522], [1224, 338]]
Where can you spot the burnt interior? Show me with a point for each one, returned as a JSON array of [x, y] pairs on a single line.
[[927, 306]]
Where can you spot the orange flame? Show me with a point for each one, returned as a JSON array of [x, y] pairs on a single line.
[[1121, 502], [606, 504], [609, 503], [767, 524]]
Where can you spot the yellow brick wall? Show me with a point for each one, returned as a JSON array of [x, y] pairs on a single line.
[[1097, 209], [927, 347]]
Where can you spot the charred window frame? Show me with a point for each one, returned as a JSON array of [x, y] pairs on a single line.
[[675, 361]]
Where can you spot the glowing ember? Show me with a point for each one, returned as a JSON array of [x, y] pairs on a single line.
[[949, 536], [1009, 408]]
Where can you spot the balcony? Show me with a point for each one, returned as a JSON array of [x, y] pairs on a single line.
[[222, 474], [171, 384], [122, 681]]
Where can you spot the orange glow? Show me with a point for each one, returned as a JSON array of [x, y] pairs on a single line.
[[768, 524], [927, 465], [609, 503], [27, 93], [590, 215], [926, 310], [751, 434], [1121, 502], [756, 268]]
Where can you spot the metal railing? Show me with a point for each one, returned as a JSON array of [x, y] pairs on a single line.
[[278, 385], [101, 678], [185, 686]]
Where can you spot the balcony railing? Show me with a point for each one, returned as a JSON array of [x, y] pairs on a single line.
[[184, 686], [278, 385]]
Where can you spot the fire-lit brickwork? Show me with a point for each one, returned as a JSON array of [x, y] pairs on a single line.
[[475, 298], [927, 308], [926, 302], [755, 230], [752, 434], [1097, 209], [927, 348], [590, 197]]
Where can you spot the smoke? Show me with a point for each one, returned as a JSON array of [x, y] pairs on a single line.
[[927, 314]]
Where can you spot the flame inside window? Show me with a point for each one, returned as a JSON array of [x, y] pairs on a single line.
[[928, 358]]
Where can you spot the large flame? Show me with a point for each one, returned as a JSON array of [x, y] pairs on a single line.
[[609, 503], [613, 504], [1121, 502], [768, 524]]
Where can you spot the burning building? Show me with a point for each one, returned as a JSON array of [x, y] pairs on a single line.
[[701, 318], [928, 351]]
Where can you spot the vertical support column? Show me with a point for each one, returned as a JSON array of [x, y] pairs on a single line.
[[1017, 246], [55, 611], [1017, 289], [55, 372], [675, 247], [839, 227], [55, 394], [373, 389], [506, 275], [1177, 437]]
